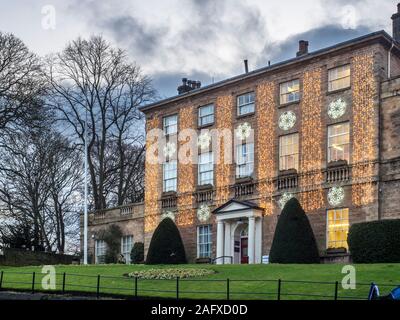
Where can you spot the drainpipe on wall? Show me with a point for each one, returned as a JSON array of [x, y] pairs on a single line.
[[389, 60]]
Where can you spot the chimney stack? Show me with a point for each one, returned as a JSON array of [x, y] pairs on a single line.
[[303, 48], [188, 85], [246, 66], [396, 24]]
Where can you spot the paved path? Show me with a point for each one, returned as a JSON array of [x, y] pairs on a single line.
[[9, 295]]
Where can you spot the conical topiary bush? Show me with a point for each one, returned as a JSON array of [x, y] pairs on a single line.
[[294, 240], [166, 245]]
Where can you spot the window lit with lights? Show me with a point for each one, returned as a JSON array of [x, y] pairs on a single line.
[[204, 241], [169, 176], [126, 248], [206, 168], [337, 228], [206, 115], [339, 78], [244, 160], [100, 251], [170, 124], [289, 152], [290, 91], [245, 103], [339, 142]]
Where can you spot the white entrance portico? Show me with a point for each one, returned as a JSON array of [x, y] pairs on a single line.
[[239, 232]]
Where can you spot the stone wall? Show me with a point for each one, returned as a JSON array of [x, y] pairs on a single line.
[[21, 257], [130, 218], [390, 149]]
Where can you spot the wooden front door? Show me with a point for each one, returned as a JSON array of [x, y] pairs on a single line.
[[244, 258]]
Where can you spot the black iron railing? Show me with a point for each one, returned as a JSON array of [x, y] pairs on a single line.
[[100, 286]]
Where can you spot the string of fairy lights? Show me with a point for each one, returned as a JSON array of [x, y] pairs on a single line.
[[266, 126], [223, 112], [311, 193], [186, 174], [312, 196], [152, 181], [364, 135]]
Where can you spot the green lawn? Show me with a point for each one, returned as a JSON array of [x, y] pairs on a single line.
[[243, 280]]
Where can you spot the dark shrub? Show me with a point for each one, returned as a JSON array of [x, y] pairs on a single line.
[[137, 253], [375, 241], [166, 245], [294, 240], [112, 237]]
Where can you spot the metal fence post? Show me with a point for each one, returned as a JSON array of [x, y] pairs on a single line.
[[136, 284], [1, 279], [177, 288], [63, 283], [336, 289], [279, 289], [98, 286], [33, 282], [227, 289]]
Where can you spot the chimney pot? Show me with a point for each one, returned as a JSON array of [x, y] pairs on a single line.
[[246, 66], [303, 48]]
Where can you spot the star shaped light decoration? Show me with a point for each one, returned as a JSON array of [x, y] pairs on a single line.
[[337, 108], [243, 131], [284, 198], [203, 213], [203, 141], [168, 214], [335, 196], [169, 149], [287, 120]]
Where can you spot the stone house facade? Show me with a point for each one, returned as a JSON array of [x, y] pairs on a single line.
[[324, 128]]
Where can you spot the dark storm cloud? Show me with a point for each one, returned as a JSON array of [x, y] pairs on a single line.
[[136, 37], [318, 38], [209, 24]]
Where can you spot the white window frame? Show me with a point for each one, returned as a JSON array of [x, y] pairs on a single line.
[[173, 177], [205, 240], [285, 94], [335, 80], [207, 118], [100, 246], [284, 158], [126, 247], [244, 160], [246, 103], [200, 172], [170, 129], [346, 156], [345, 227]]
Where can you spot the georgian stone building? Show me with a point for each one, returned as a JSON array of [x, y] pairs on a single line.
[[325, 128]]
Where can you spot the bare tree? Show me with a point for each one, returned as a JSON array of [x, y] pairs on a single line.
[[21, 83], [90, 79], [39, 179]]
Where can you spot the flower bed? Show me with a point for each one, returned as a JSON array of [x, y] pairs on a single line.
[[170, 273]]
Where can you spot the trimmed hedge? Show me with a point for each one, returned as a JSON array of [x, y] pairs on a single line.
[[137, 252], [294, 240], [166, 245], [375, 241]]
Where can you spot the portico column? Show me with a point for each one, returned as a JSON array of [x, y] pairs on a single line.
[[227, 251], [220, 241], [251, 235]]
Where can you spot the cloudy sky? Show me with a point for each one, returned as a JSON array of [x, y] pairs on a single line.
[[200, 39]]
